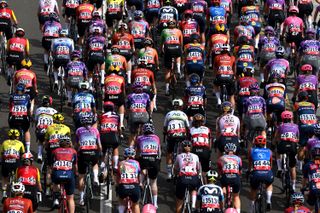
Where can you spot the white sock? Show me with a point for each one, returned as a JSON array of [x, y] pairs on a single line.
[[294, 185], [102, 165], [262, 77], [116, 161], [95, 175], [81, 195], [45, 58], [69, 96], [121, 119], [218, 97], [27, 146], [129, 76], [155, 200], [188, 83], [238, 210], [167, 86], [169, 168], [40, 146], [193, 201], [155, 100], [121, 208], [179, 68], [102, 76], [55, 75], [269, 195], [279, 164]]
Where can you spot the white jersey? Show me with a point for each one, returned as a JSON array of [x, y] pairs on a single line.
[[43, 117], [48, 6], [187, 164], [228, 125], [176, 123], [200, 136]]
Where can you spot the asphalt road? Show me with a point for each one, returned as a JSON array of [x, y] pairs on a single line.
[[26, 13]]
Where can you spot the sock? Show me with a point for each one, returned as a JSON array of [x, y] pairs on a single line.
[[121, 208], [262, 77], [167, 86], [155, 100], [27, 146], [45, 58], [294, 185], [169, 168], [102, 76], [69, 93], [121, 119], [193, 201], [179, 68], [218, 97], [115, 161], [90, 82], [95, 175], [81, 195], [269, 195], [40, 146], [102, 165], [55, 75], [279, 164], [155, 201], [188, 83], [238, 210], [129, 76]]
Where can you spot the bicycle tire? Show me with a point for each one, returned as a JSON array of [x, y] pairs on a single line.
[[263, 204], [87, 199], [50, 73], [224, 94]]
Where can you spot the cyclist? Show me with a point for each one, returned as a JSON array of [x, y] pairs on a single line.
[[260, 168], [11, 151], [189, 26], [151, 10], [149, 155], [195, 97], [224, 72], [278, 65], [115, 90], [216, 14], [245, 54], [227, 128], [118, 62], [244, 33], [52, 137], [10, 204], [50, 30], [27, 77], [305, 11], [76, 72], [69, 8], [43, 119], [83, 102], [304, 153], [139, 29], [151, 54], [187, 169], [244, 83], [201, 139], [166, 13], [19, 113], [142, 74], [297, 201], [308, 82], [115, 10], [287, 135], [305, 117], [83, 17], [149, 208], [199, 9], [61, 49], [7, 18], [210, 196], [29, 176], [109, 135], [88, 146], [175, 128], [229, 167], [64, 169], [46, 7], [274, 12], [139, 110], [171, 45], [17, 49], [127, 184]]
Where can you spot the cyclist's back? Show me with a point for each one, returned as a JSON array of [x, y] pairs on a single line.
[[17, 204], [62, 48], [300, 209]]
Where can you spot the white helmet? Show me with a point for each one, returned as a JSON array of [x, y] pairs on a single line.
[[122, 24], [96, 13], [177, 102], [17, 187], [84, 85]]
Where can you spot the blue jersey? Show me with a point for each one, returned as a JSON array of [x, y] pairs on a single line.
[[217, 11], [261, 159], [62, 48], [19, 105], [83, 102]]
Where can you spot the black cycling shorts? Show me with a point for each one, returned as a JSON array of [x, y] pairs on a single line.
[[70, 12], [132, 191], [82, 26], [15, 58], [111, 17], [171, 51], [110, 139], [22, 122], [43, 19], [135, 119], [297, 39], [152, 164], [31, 92], [256, 177], [232, 180], [204, 156], [126, 53], [171, 142], [95, 58], [31, 193], [60, 62], [117, 99], [5, 26], [305, 9], [229, 82], [275, 16], [224, 140], [183, 182], [290, 148], [46, 42], [8, 168], [85, 158]]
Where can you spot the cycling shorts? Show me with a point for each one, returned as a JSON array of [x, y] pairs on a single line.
[[313, 60], [313, 193], [95, 58], [289, 148], [43, 19], [8, 168], [85, 158], [228, 81], [265, 57], [171, 51], [57, 62], [73, 81], [31, 92], [276, 105], [137, 3], [126, 53], [116, 99], [194, 109], [224, 140], [31, 193], [183, 182], [5, 26], [65, 177], [275, 16], [40, 133], [150, 14], [138, 43], [256, 177], [82, 26], [240, 102], [110, 139], [70, 12], [15, 58], [305, 9], [197, 68], [313, 97], [152, 164], [241, 65], [256, 121], [22, 122], [181, 9], [137, 118], [206, 210], [111, 17], [171, 142], [297, 39], [133, 191], [46, 42], [204, 156], [232, 180], [306, 131], [201, 22]]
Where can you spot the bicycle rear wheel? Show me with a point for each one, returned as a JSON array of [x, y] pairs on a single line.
[[147, 195]]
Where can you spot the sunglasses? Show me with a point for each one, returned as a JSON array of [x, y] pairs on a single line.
[[187, 146]]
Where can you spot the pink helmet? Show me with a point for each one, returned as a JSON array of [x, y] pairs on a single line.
[[149, 208], [230, 210], [293, 9]]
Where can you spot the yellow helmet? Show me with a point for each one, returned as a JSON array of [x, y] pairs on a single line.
[[13, 133], [220, 28], [26, 63], [58, 118], [114, 69]]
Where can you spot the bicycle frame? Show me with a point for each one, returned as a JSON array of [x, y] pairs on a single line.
[[129, 205], [50, 70], [63, 200], [108, 157], [147, 189], [88, 192], [186, 202], [286, 179], [260, 204], [224, 94], [229, 197]]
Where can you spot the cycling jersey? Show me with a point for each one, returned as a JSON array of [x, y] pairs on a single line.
[[171, 36], [61, 48], [43, 117], [195, 97], [7, 14], [125, 43], [83, 102], [310, 47], [244, 84], [228, 125], [116, 60], [167, 13], [216, 15], [306, 113], [278, 65], [300, 209], [26, 77], [139, 30], [276, 4], [149, 146], [87, 139], [138, 102], [294, 25], [109, 122], [150, 54], [75, 72], [189, 27], [307, 83], [224, 66], [275, 91], [187, 164], [245, 57], [289, 132], [311, 172], [114, 6], [200, 137], [199, 9], [47, 6], [268, 44], [244, 31], [176, 123], [97, 25], [17, 204], [64, 159], [51, 29], [28, 175], [129, 171], [253, 14], [71, 4], [54, 132], [261, 159], [210, 197], [11, 151], [84, 13], [18, 45], [195, 53], [145, 77], [19, 105], [229, 164], [312, 142], [216, 41], [254, 105], [114, 85]]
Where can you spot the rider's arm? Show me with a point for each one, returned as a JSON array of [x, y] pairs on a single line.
[[30, 208], [56, 8], [283, 28], [99, 141], [34, 83], [316, 15], [27, 48], [39, 181], [13, 18], [156, 58], [154, 87]]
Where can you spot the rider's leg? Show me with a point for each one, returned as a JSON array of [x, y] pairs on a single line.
[[71, 204], [154, 189], [27, 138], [216, 90], [237, 201], [129, 69], [121, 207], [167, 79], [102, 72], [121, 114], [253, 195], [179, 204], [115, 158], [269, 193]]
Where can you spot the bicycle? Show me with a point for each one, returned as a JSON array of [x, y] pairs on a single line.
[[88, 190], [63, 208], [187, 201], [228, 202], [147, 192], [73, 29], [173, 80], [108, 162], [128, 201], [292, 58], [61, 90], [286, 179], [260, 203], [50, 71], [97, 90], [3, 53], [224, 94]]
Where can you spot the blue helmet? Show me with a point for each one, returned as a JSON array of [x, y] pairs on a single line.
[[194, 79], [20, 87]]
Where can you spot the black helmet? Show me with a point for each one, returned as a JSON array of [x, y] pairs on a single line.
[[280, 51], [303, 95]]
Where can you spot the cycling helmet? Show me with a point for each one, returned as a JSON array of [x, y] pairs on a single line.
[[20, 32], [138, 14], [108, 106], [230, 147], [137, 87], [172, 22], [129, 152], [148, 41], [315, 151], [64, 32], [149, 208], [96, 14], [114, 69], [195, 36], [148, 128], [215, 1], [293, 9], [220, 28], [86, 118], [26, 63], [46, 100], [64, 140], [17, 188], [225, 47], [286, 115], [230, 210], [269, 30], [115, 49], [194, 78], [280, 51], [167, 2], [142, 61], [84, 85], [186, 143], [316, 129], [244, 20], [122, 25], [3, 4], [226, 106], [188, 13], [306, 68], [13, 133], [20, 87], [58, 118], [76, 54], [303, 95], [297, 198], [198, 117], [27, 156], [212, 175], [254, 87], [177, 103], [311, 31], [248, 70], [260, 140]]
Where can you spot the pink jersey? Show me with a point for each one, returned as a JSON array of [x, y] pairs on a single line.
[[229, 164], [187, 164], [88, 138], [149, 145], [228, 125], [294, 24], [129, 171], [200, 136], [47, 6]]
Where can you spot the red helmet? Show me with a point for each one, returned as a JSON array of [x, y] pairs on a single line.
[[260, 140], [306, 68], [188, 12], [215, 1], [108, 106], [286, 115], [293, 9]]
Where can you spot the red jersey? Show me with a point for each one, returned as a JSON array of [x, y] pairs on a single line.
[[109, 122], [301, 209], [25, 76], [17, 44], [143, 76], [124, 41], [17, 204], [6, 13], [64, 158], [150, 54], [114, 84], [216, 41], [189, 27], [244, 83], [84, 12], [224, 64], [28, 175]]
